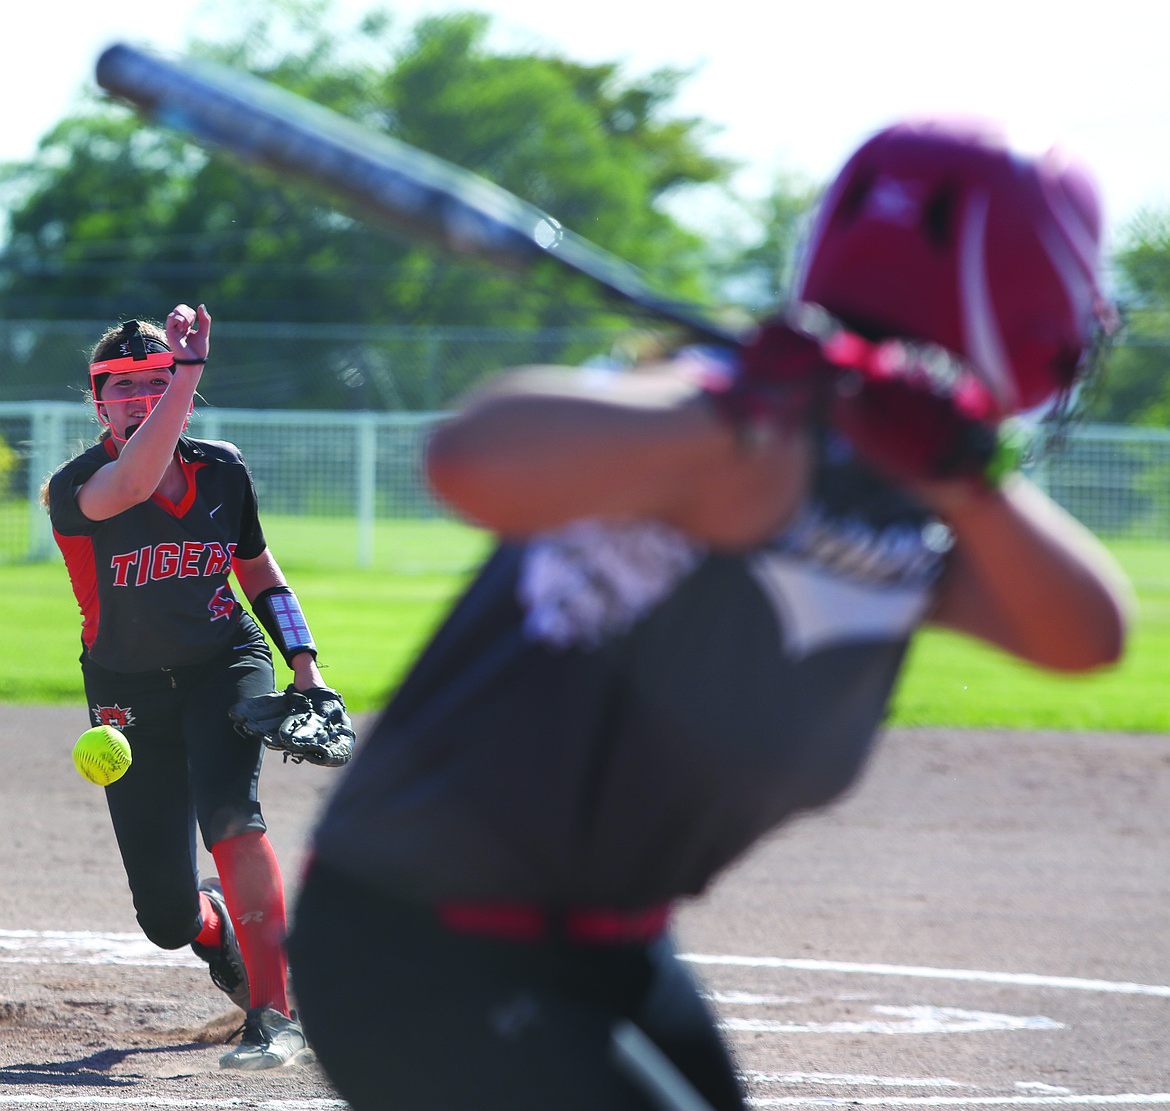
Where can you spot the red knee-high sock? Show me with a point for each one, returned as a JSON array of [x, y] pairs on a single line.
[[254, 893], [211, 932]]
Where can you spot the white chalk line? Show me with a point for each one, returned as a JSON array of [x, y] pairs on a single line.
[[854, 1080], [1119, 1099], [84, 947], [164, 1102], [1029, 1094], [1035, 1095], [915, 1019], [918, 1019], [1125, 1099], [87, 947], [1022, 979]]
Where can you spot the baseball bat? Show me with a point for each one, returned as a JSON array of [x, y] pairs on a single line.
[[373, 176], [655, 1073]]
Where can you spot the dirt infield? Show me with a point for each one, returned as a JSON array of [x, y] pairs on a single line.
[[984, 920]]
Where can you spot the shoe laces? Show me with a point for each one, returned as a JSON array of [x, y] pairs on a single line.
[[253, 1033]]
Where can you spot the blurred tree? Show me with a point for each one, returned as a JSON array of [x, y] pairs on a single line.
[[115, 219], [1135, 385], [753, 259], [116, 211]]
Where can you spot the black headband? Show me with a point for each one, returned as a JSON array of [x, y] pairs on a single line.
[[130, 344], [134, 345]]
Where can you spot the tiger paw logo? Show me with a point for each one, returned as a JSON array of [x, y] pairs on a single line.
[[114, 715], [223, 603]]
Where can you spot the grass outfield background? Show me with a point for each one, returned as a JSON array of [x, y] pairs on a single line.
[[370, 622]]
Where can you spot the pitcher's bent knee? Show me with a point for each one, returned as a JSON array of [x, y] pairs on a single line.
[[169, 929], [231, 821]]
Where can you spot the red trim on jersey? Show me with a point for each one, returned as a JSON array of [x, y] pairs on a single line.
[[82, 568], [189, 468], [188, 499]]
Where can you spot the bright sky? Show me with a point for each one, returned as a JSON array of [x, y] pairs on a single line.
[[795, 85]]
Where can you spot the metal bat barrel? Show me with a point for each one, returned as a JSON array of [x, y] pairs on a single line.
[[371, 175]]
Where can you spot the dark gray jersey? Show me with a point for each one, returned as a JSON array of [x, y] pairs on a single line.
[[610, 715], [152, 582]]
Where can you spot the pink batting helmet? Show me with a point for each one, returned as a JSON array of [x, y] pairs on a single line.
[[936, 231]]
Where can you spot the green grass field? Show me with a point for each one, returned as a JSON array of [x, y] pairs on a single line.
[[371, 621]]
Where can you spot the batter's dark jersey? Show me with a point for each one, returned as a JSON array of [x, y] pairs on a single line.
[[609, 715], [152, 581]]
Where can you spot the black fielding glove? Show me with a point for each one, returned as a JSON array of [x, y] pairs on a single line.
[[307, 725]]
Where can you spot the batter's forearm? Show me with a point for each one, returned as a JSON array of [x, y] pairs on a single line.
[[1029, 578]]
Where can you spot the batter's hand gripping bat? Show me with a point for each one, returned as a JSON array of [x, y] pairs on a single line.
[[372, 176]]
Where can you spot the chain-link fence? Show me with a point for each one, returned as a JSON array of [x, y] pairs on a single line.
[[338, 487], [345, 489], [314, 366], [339, 484]]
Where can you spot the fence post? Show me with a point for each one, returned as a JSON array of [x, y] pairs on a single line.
[[367, 463], [47, 450], [432, 354], [208, 424]]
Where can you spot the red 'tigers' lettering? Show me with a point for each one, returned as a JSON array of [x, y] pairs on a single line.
[[189, 561], [218, 560], [121, 565], [143, 566], [164, 561]]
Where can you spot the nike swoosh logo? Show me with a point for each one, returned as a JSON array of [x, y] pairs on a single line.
[[215, 510]]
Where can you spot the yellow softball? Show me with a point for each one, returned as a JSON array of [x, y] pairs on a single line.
[[102, 755]]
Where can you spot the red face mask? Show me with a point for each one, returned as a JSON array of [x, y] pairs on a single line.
[[104, 376]]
